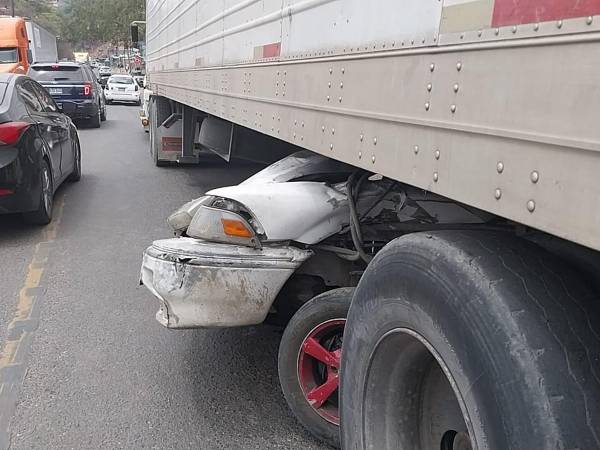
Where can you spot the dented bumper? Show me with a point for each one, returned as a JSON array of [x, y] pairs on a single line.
[[205, 284]]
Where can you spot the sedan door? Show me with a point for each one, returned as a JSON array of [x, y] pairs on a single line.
[[62, 124], [49, 129]]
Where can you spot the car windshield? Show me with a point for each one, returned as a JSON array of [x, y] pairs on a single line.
[[120, 80], [56, 73], [8, 55]]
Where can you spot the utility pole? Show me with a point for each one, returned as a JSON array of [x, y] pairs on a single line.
[[12, 7]]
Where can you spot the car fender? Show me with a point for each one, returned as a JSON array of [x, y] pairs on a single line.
[[304, 211]]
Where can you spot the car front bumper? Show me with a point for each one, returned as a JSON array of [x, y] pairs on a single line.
[[204, 284]]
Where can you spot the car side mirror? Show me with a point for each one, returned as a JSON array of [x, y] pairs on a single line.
[[68, 108], [29, 56]]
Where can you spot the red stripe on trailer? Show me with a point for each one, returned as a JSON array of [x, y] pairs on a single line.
[[516, 12], [171, 144], [272, 50]]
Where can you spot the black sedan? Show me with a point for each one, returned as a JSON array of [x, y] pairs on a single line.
[[39, 148]]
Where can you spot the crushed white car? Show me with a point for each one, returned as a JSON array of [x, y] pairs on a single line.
[[236, 254], [237, 246], [291, 240]]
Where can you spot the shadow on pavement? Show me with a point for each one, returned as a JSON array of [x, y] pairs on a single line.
[[238, 366], [12, 226]]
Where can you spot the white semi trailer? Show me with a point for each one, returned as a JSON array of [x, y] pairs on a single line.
[[475, 299], [42, 43]]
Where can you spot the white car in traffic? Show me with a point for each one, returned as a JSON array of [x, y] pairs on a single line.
[[104, 70], [122, 88]]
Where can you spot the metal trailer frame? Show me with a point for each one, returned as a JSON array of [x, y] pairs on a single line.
[[501, 118], [42, 43]]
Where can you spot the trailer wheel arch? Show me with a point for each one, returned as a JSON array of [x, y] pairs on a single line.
[[515, 329]]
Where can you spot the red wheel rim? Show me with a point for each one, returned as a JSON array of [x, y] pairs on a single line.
[[318, 368]]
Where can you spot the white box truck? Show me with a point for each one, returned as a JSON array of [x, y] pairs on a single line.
[[446, 191], [42, 43]]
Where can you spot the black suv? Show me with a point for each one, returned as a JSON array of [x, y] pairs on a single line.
[[74, 83]]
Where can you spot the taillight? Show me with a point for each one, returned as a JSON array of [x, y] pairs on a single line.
[[87, 90], [6, 192], [10, 132]]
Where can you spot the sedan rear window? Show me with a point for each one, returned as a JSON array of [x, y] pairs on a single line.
[[57, 73], [120, 80]]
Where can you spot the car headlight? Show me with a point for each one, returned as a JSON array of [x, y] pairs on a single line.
[[224, 220], [182, 218]]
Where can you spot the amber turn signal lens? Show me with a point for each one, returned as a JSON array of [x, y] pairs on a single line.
[[235, 228]]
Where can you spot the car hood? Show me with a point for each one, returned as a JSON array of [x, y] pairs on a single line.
[[304, 211], [298, 165], [290, 208]]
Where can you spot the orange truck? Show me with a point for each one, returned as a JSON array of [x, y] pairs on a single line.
[[23, 42]]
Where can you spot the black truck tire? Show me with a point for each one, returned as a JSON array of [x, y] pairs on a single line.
[[321, 319], [474, 341]]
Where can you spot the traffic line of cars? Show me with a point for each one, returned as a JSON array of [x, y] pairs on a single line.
[[39, 143], [39, 148]]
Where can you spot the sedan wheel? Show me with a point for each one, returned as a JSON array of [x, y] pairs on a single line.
[[76, 174], [43, 215], [309, 362]]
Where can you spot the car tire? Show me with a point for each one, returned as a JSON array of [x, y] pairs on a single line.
[[43, 215], [103, 113], [320, 321], [95, 121], [470, 340], [76, 174]]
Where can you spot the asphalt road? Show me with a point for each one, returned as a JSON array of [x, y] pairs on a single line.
[[95, 369]]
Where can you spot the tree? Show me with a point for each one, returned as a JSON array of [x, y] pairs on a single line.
[[83, 23], [91, 22], [40, 11]]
